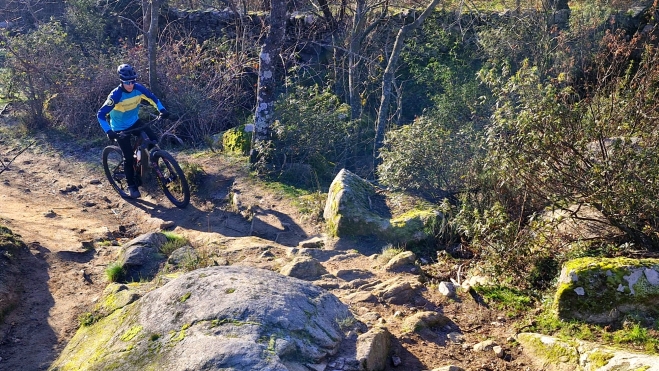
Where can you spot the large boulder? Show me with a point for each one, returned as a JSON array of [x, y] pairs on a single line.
[[216, 318], [552, 354], [598, 290], [355, 208]]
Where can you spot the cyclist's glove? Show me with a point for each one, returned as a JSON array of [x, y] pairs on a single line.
[[164, 113], [112, 135]]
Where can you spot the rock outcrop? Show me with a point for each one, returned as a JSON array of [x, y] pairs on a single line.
[[215, 318], [598, 290], [552, 354], [355, 208]]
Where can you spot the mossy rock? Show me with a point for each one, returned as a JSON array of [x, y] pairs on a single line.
[[552, 354], [549, 353], [237, 140], [220, 318], [9, 241], [598, 290], [356, 208], [414, 225]]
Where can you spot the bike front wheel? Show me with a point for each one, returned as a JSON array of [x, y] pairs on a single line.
[[171, 178], [113, 164]]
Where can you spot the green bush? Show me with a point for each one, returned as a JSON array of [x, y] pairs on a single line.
[[430, 158], [562, 149], [313, 128]]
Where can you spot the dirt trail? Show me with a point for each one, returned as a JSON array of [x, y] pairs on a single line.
[[61, 277], [57, 199]]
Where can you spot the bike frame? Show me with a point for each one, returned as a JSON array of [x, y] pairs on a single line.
[[140, 146]]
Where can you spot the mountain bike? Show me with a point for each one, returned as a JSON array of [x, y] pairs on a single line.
[[163, 166]]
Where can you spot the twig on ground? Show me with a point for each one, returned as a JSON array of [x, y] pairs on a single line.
[[5, 165]]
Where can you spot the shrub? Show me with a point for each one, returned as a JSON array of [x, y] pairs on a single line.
[[564, 149], [114, 272], [430, 158], [313, 128], [207, 84]]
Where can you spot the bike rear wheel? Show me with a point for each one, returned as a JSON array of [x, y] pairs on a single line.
[[171, 178], [113, 164]]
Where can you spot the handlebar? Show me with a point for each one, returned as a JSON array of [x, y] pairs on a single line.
[[123, 133]]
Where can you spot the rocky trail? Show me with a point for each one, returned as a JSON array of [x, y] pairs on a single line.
[[57, 199]]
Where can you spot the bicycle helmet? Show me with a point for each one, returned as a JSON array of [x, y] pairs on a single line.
[[126, 72]]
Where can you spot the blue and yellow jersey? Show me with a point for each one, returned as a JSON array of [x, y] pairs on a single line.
[[123, 107]]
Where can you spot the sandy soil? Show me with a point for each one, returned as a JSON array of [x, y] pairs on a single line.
[[55, 196]]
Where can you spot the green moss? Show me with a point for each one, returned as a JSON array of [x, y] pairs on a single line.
[[180, 335], [413, 225], [131, 333], [88, 346], [185, 297], [237, 140], [599, 358], [553, 352]]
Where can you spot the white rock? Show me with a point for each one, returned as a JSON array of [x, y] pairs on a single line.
[[652, 276], [447, 289]]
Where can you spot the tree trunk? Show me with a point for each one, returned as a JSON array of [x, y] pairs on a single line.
[[152, 43], [388, 78], [266, 89], [358, 33]]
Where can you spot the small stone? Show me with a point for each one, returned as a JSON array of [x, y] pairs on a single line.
[[447, 289], [580, 291], [50, 214], [313, 243], [167, 224], [455, 337], [95, 181], [498, 351], [652, 276], [484, 345]]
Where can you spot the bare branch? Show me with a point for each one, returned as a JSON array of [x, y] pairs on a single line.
[[5, 165]]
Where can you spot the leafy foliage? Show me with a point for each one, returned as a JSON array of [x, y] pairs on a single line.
[[430, 157], [313, 128], [599, 149]]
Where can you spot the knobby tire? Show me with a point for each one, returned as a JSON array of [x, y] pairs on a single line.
[[113, 164], [171, 178]]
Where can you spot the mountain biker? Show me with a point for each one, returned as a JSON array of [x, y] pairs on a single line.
[[123, 105]]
